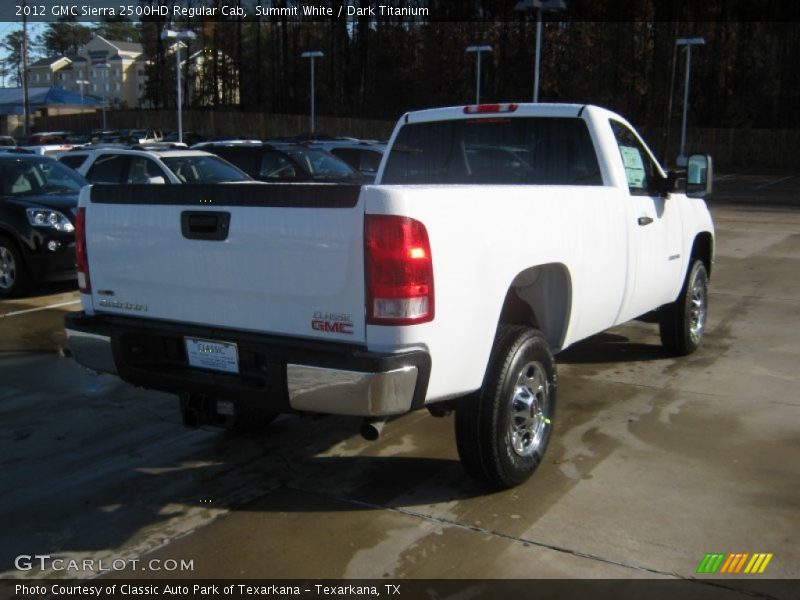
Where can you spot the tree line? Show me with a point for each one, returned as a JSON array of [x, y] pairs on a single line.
[[620, 54]]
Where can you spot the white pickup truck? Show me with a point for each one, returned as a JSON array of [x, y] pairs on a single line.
[[495, 236]]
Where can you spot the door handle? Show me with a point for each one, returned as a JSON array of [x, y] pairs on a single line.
[[205, 225], [645, 221]]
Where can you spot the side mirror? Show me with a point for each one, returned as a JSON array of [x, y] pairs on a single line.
[[671, 183], [699, 176], [159, 179]]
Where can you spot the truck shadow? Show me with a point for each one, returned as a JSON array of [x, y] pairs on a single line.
[[610, 348], [143, 477]]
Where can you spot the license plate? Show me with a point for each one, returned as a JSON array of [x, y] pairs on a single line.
[[217, 356]]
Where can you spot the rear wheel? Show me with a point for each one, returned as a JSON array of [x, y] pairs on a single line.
[[14, 279], [682, 324], [502, 430]]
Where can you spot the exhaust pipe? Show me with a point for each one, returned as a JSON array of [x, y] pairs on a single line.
[[371, 428]]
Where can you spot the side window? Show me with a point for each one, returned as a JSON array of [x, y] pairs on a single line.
[[275, 166], [640, 169], [107, 169], [370, 161], [73, 161], [347, 155], [246, 160], [142, 169]]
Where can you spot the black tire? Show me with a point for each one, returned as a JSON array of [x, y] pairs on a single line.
[[495, 446], [682, 323], [14, 278]]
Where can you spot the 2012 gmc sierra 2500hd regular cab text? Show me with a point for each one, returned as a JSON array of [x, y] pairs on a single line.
[[495, 236]]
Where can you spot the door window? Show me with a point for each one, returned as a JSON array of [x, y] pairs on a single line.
[[640, 169], [275, 166], [107, 169], [142, 169]]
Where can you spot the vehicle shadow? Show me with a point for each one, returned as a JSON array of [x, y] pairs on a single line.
[[142, 474], [610, 348], [49, 289], [146, 474]]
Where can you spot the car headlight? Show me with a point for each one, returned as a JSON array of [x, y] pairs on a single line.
[[40, 217]]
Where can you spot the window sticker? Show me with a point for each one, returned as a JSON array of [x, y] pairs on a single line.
[[634, 166]]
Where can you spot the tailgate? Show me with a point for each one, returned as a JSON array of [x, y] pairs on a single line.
[[279, 259]]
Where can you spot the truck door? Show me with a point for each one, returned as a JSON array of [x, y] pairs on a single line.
[[654, 225]]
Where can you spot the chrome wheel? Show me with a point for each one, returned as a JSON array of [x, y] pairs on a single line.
[[529, 408], [698, 307], [502, 431], [8, 269]]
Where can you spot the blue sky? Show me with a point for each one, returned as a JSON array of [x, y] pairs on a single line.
[[34, 31]]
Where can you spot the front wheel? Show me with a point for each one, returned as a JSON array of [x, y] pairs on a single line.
[[502, 430], [682, 324], [14, 279]]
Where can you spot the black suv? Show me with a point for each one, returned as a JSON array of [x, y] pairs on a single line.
[[284, 163], [38, 201]]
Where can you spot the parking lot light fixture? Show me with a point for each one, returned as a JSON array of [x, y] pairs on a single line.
[[688, 42], [312, 54], [478, 50], [539, 6], [178, 36]]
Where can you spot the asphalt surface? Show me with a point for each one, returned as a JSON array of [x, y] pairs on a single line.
[[654, 461]]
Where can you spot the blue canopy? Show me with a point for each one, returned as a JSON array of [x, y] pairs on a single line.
[[11, 101]]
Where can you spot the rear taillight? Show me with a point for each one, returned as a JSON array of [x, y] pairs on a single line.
[[399, 271], [81, 258]]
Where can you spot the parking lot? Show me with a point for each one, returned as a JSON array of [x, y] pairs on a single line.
[[654, 463]]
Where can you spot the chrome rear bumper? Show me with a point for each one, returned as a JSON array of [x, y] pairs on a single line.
[[279, 375], [316, 389], [92, 350]]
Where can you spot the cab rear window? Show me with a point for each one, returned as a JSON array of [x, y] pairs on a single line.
[[540, 150]]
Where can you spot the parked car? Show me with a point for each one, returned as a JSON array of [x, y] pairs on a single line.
[[104, 135], [15, 150], [7, 140], [50, 149], [141, 136], [288, 163], [45, 138], [79, 139], [38, 200], [189, 137], [123, 165], [365, 156], [47, 143]]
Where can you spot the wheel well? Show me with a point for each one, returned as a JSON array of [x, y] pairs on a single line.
[[11, 237], [4, 233], [540, 297], [703, 248]]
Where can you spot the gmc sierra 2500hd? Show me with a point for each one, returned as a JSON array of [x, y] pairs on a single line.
[[495, 235]]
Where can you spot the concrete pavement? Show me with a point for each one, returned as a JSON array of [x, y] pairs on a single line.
[[654, 461]]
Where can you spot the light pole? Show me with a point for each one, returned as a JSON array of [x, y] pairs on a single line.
[[178, 36], [26, 105], [312, 54], [81, 83], [688, 42], [478, 50], [104, 68], [540, 6]]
